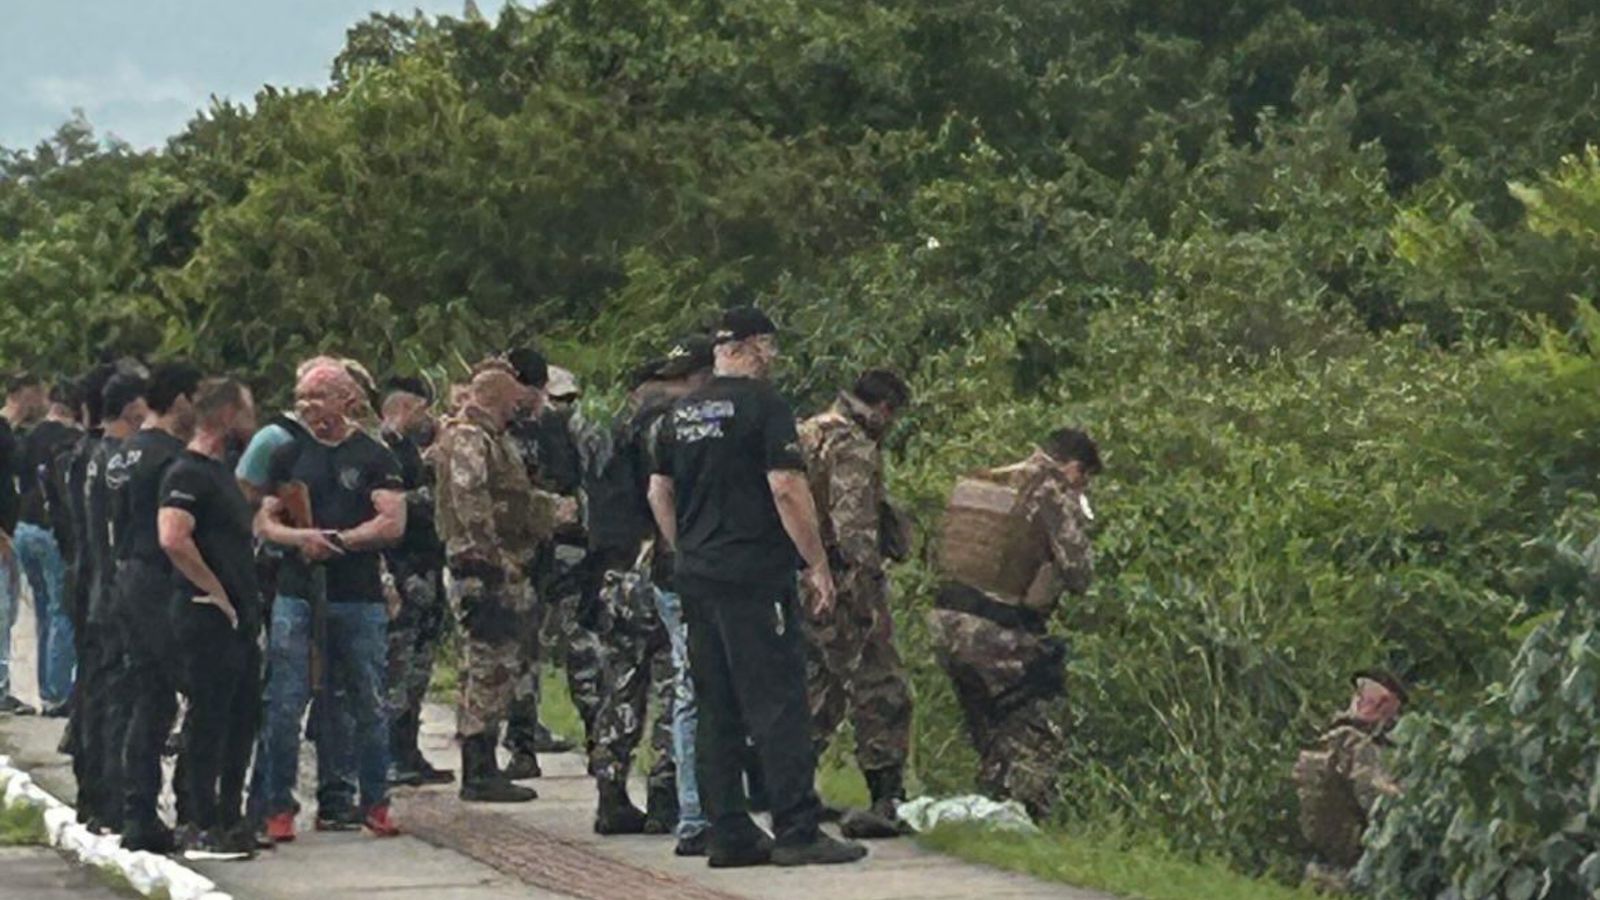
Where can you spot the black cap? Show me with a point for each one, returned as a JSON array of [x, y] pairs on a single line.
[[529, 366], [408, 384], [1387, 679], [649, 370], [692, 354], [743, 322]]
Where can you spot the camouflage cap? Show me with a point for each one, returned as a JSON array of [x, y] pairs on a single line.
[[563, 385]]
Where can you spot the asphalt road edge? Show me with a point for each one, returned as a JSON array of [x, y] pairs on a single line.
[[148, 873]]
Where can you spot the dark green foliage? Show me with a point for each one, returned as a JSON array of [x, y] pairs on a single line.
[[1317, 274], [1503, 802]]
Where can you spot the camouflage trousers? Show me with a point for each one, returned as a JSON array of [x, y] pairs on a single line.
[[852, 667], [415, 635], [494, 613], [558, 635], [1008, 682], [636, 665]]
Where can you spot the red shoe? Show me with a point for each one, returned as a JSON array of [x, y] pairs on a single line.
[[381, 822], [281, 827]]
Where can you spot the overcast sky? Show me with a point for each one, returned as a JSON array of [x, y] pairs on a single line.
[[140, 69]]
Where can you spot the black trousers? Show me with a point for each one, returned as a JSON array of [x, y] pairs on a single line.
[[151, 678], [748, 663], [221, 675], [102, 722]]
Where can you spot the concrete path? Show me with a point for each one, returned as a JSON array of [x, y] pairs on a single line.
[[39, 873], [541, 849]]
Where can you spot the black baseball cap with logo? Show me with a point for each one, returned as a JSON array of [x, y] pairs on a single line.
[[688, 356], [743, 322]]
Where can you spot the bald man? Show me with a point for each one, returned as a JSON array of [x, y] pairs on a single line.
[[491, 519], [330, 569]]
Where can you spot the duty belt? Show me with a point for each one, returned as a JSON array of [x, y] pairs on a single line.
[[957, 597]]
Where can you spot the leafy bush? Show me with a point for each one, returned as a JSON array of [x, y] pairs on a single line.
[[1504, 801], [1316, 275]]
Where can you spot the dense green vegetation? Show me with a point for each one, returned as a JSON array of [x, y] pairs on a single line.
[[1318, 274]]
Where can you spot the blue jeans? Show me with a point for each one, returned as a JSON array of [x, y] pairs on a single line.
[[8, 617], [40, 558], [685, 717], [355, 659]]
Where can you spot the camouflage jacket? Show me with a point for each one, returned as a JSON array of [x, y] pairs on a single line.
[[1338, 782], [845, 466], [487, 510]]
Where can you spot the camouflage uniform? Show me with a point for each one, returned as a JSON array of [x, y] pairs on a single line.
[[491, 521], [417, 567], [851, 662], [568, 633], [1338, 782], [553, 462], [1006, 669], [636, 664], [636, 653]]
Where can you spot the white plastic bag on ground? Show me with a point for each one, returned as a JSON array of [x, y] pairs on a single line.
[[927, 813]]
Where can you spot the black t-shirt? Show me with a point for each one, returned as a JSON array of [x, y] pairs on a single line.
[[10, 463], [41, 446], [421, 546], [341, 480], [204, 488], [74, 474], [134, 478], [718, 447], [97, 564]]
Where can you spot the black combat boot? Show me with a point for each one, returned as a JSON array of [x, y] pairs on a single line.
[[819, 850], [547, 741], [661, 809], [524, 764], [881, 820], [616, 813], [402, 762], [430, 775], [481, 781], [736, 842]]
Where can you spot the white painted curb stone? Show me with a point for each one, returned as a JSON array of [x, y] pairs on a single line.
[[147, 872]]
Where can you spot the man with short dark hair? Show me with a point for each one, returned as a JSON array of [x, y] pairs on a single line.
[[993, 639], [31, 495], [149, 686], [100, 719], [730, 493], [46, 432], [416, 571], [10, 572], [204, 527], [853, 666]]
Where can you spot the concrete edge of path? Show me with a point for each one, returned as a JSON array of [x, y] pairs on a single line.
[[147, 872]]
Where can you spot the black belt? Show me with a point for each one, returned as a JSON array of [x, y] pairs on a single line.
[[957, 597]]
